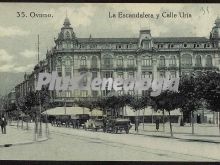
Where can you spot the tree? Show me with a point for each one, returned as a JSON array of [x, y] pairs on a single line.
[[190, 90], [136, 103], [89, 103], [167, 100], [210, 91]]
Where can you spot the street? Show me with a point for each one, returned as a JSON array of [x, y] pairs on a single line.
[[72, 144]]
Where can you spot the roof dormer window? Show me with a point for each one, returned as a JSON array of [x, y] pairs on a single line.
[[184, 45]]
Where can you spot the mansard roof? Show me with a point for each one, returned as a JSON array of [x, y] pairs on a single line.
[[180, 39], [108, 40], [135, 40]]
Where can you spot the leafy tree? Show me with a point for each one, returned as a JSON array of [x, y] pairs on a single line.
[[190, 90], [167, 100], [210, 91], [89, 103]]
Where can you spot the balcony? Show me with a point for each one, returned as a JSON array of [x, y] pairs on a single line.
[[211, 68], [146, 67], [173, 67], [107, 67], [131, 68], [94, 68], [120, 68], [198, 67], [162, 67], [83, 68], [186, 66]]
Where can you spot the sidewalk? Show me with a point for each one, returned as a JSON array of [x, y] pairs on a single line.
[[17, 136], [202, 132]]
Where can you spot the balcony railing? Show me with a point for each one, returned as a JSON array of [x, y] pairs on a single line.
[[120, 68], [94, 67], [83, 68], [186, 66], [198, 67], [162, 67], [131, 68]]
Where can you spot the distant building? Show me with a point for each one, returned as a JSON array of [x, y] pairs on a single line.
[[124, 57]]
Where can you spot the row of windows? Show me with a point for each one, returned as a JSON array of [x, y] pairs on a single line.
[[195, 45], [186, 59]]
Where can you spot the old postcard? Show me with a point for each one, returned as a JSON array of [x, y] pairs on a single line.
[[110, 82]]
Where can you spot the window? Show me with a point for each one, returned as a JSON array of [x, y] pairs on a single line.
[[94, 75], [83, 61], [184, 45], [186, 59], [107, 74], [59, 71], [172, 74], [208, 60], [162, 61], [120, 61], [146, 61], [94, 61], [84, 81], [160, 45], [130, 61], [120, 74], [84, 93], [130, 74], [173, 61], [144, 74], [94, 93], [198, 61], [108, 61], [162, 74]]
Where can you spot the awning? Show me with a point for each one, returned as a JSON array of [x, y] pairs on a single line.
[[72, 111], [128, 111]]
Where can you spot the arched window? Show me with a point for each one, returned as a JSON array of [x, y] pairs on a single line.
[[162, 61], [59, 66], [94, 61], [67, 63], [108, 61], [173, 60], [208, 60], [146, 61], [120, 61], [186, 60], [198, 60], [130, 61], [83, 61]]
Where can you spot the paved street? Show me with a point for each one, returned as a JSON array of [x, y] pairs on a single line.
[[72, 144]]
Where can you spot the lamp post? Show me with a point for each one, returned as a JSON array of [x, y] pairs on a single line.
[[64, 101]]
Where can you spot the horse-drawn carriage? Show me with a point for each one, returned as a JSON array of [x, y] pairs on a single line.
[[94, 124], [76, 121], [118, 124], [61, 120]]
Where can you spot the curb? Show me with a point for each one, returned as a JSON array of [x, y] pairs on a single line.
[[179, 138], [22, 143]]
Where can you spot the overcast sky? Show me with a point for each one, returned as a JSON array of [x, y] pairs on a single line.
[[18, 36]]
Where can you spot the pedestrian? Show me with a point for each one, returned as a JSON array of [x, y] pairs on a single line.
[[77, 124], [157, 123], [136, 124], [3, 124]]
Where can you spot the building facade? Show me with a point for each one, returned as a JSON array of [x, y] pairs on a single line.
[[153, 57], [145, 55]]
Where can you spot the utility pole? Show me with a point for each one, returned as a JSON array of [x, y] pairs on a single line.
[[39, 95]]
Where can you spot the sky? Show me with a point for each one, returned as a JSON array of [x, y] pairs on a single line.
[[18, 35]]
